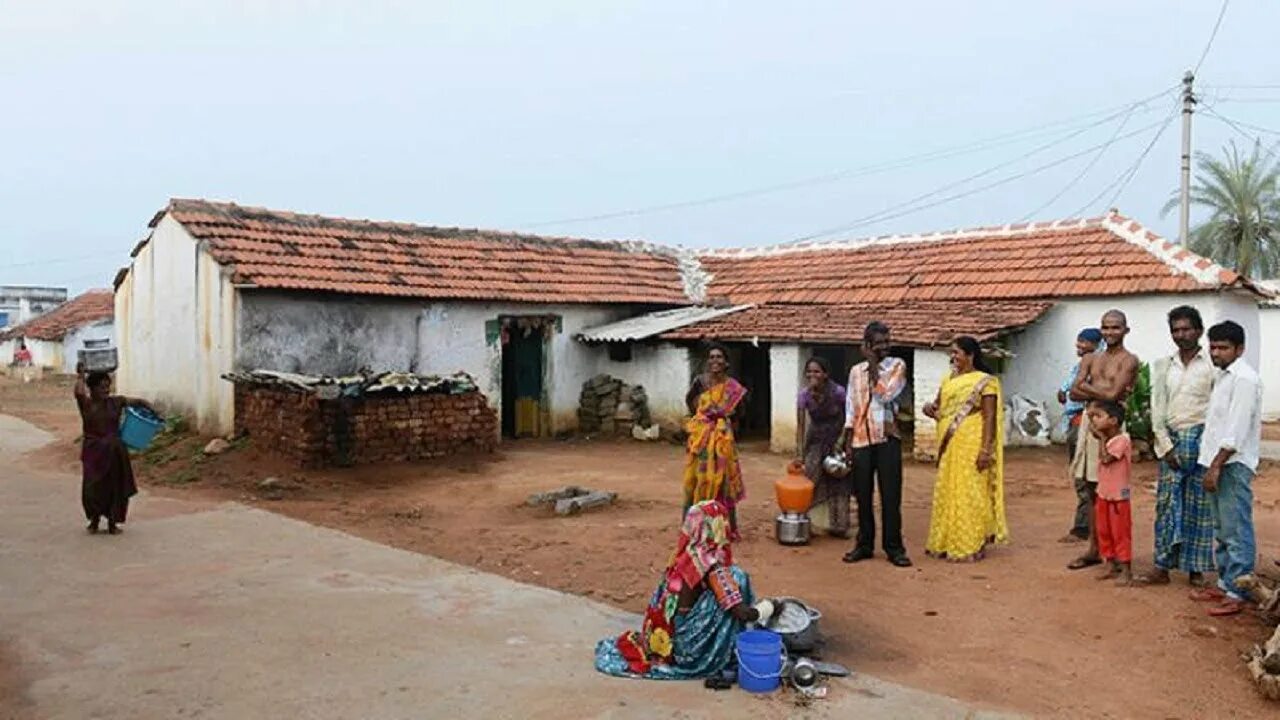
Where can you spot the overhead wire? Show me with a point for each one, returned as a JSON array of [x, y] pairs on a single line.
[[1222, 12], [1085, 170], [889, 213], [862, 171], [1126, 176], [1236, 127]]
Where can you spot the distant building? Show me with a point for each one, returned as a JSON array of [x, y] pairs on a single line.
[[56, 337], [19, 304]]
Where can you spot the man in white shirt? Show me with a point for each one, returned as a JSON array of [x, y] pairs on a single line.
[[1229, 454], [1181, 384]]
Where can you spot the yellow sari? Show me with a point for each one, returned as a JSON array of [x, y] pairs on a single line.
[[711, 470], [968, 505]]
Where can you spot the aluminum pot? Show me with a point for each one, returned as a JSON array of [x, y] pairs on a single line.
[[797, 623], [792, 529], [836, 464]]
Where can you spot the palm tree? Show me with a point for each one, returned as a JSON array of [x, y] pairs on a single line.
[[1242, 195]]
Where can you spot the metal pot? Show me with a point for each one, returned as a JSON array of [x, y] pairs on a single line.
[[797, 623], [792, 529], [836, 464]]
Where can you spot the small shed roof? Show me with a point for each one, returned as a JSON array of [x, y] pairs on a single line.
[[655, 323]]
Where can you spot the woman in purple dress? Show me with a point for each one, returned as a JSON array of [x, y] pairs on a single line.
[[819, 425], [108, 476]]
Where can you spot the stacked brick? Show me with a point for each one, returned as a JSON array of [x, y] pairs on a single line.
[[372, 428]]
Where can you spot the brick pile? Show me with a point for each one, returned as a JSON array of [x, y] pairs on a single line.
[[373, 428]]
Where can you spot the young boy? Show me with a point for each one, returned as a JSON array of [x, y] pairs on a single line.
[[1112, 515]]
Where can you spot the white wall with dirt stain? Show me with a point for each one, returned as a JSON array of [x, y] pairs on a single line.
[[1045, 351], [1269, 349], [786, 372], [664, 369], [175, 319]]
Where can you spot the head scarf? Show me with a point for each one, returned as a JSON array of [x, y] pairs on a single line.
[[1090, 335], [703, 544]]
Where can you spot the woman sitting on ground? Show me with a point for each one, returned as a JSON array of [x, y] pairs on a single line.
[[107, 482], [711, 469], [702, 602], [968, 498]]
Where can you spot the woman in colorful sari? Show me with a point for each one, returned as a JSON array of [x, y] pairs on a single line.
[[819, 429], [702, 602], [968, 499], [711, 469]]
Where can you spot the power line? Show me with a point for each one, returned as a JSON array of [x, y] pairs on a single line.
[[1084, 171], [56, 261], [1212, 35], [1251, 138], [1126, 175], [887, 213], [896, 164]]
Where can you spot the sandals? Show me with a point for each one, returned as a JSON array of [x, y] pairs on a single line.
[[1226, 608], [1083, 562], [1207, 594]]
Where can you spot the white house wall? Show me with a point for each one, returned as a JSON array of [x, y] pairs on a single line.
[[930, 367], [785, 371], [665, 370], [44, 353], [174, 316], [1269, 348], [73, 342], [1045, 352]]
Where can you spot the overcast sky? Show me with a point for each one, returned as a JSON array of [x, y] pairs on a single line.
[[516, 115]]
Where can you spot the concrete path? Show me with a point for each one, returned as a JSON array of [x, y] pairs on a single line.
[[224, 611]]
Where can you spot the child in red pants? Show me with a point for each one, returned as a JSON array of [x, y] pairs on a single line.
[[1111, 511]]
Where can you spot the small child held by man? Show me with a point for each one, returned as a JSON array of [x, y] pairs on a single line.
[[1112, 513]]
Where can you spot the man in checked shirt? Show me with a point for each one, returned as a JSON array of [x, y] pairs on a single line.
[[871, 432]]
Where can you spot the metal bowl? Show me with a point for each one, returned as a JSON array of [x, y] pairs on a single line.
[[836, 465]]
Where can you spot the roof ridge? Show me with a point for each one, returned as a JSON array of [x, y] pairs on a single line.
[[230, 208], [1179, 259], [1006, 230]]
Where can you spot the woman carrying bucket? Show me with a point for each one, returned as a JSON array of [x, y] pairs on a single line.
[[108, 476], [700, 607]]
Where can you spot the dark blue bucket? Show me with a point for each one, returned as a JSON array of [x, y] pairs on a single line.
[[759, 660]]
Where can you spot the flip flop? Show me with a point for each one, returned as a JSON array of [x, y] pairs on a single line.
[[1226, 608], [1207, 594], [1081, 563]]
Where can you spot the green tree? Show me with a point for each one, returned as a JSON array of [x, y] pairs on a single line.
[[1242, 195]]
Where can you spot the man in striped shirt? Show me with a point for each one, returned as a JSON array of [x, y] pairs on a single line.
[[871, 429]]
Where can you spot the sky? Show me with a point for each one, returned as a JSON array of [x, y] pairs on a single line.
[[706, 124]]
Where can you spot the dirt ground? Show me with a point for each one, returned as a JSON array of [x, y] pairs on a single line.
[[1017, 631]]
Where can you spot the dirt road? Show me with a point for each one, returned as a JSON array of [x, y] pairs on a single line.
[[1017, 631], [212, 609]]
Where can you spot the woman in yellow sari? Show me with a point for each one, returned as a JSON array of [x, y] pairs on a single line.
[[711, 469], [968, 498]]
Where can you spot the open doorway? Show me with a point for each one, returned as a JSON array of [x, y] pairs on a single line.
[[752, 370], [524, 363]]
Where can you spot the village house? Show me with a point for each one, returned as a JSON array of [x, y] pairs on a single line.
[[216, 288], [1269, 347], [56, 336]]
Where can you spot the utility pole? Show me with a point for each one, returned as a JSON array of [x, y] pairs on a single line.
[[1184, 209]]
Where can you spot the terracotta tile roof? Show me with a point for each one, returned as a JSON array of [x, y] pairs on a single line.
[[922, 324], [91, 307], [275, 249], [1111, 255]]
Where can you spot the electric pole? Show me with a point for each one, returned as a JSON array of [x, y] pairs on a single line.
[[1184, 209]]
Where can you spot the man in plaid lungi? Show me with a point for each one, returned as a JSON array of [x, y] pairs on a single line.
[[1181, 385]]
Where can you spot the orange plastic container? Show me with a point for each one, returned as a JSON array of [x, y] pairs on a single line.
[[793, 490]]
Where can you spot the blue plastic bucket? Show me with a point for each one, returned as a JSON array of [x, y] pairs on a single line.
[[759, 660], [139, 428]]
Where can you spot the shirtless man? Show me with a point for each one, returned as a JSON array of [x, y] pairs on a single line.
[[1107, 376]]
